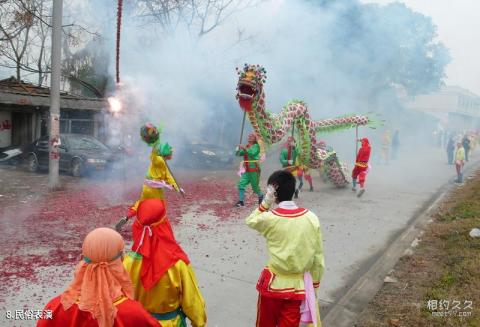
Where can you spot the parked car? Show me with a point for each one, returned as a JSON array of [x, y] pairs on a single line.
[[10, 156], [79, 154], [204, 156]]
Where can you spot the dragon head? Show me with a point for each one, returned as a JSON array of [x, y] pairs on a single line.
[[250, 84]]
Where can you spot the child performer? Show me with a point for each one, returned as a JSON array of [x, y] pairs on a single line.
[[296, 265]]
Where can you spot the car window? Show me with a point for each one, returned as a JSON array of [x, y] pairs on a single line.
[[43, 142], [63, 142], [85, 143]]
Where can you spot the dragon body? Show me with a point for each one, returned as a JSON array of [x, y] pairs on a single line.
[[272, 128]]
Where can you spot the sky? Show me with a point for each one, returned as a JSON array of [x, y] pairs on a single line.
[[459, 29]]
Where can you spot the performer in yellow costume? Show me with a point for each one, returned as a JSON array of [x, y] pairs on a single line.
[[158, 176], [296, 265], [163, 280]]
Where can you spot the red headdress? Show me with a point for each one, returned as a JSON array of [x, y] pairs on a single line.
[[363, 154], [100, 277], [153, 238]]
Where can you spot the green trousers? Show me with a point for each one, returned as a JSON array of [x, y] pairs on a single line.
[[248, 178]]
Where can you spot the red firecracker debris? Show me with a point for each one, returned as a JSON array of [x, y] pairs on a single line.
[[48, 231]]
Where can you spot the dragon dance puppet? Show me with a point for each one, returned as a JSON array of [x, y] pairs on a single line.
[[271, 128], [323, 173], [159, 176]]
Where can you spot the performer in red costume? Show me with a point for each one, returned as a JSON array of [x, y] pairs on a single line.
[[101, 293], [361, 167], [163, 280]]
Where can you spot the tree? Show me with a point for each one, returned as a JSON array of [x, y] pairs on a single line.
[[200, 17], [15, 25], [25, 38], [388, 46], [87, 69]]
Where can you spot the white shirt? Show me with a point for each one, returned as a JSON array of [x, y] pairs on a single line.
[[287, 205]]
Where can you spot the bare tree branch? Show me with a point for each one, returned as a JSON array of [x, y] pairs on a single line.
[[25, 37], [199, 16]]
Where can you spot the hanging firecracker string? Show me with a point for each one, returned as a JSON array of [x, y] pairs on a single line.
[[117, 57]]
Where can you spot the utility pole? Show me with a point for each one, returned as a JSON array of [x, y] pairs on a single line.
[[54, 142]]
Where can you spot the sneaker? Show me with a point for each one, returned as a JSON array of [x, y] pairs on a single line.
[[354, 189], [239, 204], [296, 194], [260, 199], [311, 188], [360, 193]]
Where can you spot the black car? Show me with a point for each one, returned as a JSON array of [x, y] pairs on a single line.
[[204, 156], [79, 154]]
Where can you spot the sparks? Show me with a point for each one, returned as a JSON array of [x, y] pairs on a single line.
[[115, 105]]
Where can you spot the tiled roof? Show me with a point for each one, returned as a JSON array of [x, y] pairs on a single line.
[[21, 93], [12, 85]]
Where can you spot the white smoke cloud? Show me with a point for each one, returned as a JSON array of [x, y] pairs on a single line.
[[188, 85]]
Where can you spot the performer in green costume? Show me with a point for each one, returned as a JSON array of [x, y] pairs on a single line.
[[288, 155], [289, 161], [251, 174]]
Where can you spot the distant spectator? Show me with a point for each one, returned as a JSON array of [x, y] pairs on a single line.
[[450, 150], [395, 144], [460, 161], [446, 137], [439, 138], [386, 143], [466, 146], [473, 142]]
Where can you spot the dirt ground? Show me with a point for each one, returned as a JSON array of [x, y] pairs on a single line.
[[41, 232], [439, 283]]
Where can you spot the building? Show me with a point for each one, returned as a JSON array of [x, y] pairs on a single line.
[[24, 112], [456, 108]]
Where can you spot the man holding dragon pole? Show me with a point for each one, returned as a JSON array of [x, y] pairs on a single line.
[[251, 169], [290, 162], [361, 166]]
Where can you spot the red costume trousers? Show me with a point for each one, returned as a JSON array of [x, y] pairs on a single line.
[[459, 167], [360, 173], [272, 312], [304, 173], [308, 178]]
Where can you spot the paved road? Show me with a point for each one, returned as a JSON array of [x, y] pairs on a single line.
[[227, 256], [354, 230]]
